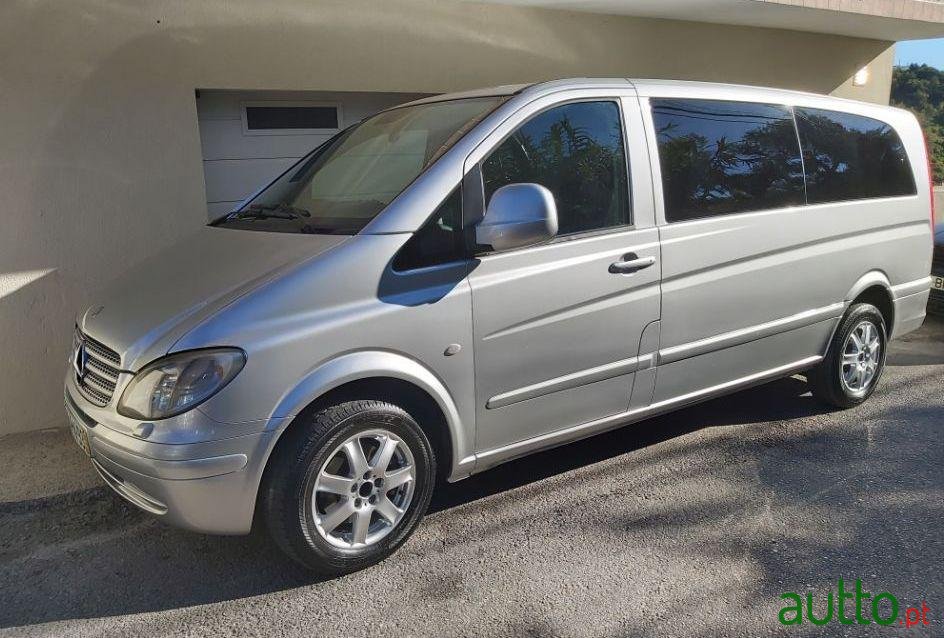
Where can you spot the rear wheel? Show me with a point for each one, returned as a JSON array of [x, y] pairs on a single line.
[[349, 486], [854, 362]]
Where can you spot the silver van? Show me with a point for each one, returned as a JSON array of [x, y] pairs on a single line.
[[472, 277]]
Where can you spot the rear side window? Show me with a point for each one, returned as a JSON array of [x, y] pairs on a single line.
[[720, 157], [575, 151], [851, 157]]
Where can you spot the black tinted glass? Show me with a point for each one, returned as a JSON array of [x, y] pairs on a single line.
[[439, 241], [851, 157], [289, 117], [726, 157], [576, 152]]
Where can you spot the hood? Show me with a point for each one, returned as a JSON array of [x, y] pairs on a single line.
[[155, 303]]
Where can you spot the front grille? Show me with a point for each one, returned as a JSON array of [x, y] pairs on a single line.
[[96, 372], [102, 352]]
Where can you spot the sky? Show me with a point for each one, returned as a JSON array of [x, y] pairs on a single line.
[[930, 52]]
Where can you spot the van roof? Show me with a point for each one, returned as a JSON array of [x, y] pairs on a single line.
[[646, 87]]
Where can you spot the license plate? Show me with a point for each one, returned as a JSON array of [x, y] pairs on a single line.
[[79, 433], [937, 282]]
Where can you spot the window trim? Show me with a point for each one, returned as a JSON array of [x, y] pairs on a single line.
[[801, 208], [796, 130], [477, 182], [244, 117]]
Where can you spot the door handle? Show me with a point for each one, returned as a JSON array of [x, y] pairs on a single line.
[[630, 264]]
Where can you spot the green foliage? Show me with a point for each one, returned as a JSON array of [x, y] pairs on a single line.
[[722, 174], [920, 89], [584, 172]]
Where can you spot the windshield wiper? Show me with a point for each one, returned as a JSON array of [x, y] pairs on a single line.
[[271, 211]]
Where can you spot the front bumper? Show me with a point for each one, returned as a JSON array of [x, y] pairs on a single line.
[[207, 486]]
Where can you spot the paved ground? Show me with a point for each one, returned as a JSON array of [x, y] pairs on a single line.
[[692, 524]]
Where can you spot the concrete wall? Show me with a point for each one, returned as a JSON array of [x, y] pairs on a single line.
[[878, 89], [100, 162]]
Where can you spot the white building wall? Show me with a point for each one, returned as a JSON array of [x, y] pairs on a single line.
[[101, 162]]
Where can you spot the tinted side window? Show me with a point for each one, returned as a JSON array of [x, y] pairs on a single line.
[[576, 152], [851, 157], [439, 241], [726, 157]]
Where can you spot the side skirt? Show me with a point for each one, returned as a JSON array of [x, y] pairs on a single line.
[[495, 456]]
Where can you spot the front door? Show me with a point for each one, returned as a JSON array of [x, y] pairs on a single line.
[[557, 326]]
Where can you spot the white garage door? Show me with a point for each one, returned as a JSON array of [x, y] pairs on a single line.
[[250, 137]]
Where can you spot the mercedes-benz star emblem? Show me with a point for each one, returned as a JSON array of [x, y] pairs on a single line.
[[80, 359]]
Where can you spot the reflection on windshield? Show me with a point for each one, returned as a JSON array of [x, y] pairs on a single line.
[[343, 184]]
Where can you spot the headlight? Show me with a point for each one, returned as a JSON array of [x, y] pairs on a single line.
[[179, 382]]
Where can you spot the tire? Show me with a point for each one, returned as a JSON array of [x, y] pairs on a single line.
[[304, 510], [830, 381]]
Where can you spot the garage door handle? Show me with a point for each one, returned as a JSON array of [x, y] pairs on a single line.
[[630, 264]]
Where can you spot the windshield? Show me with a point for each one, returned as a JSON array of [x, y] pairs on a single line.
[[344, 183]]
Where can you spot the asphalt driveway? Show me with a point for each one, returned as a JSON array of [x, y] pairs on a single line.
[[691, 524]]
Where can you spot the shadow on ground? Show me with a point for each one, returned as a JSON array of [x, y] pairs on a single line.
[[88, 554]]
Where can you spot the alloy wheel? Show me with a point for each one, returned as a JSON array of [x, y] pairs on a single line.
[[861, 357], [364, 489]]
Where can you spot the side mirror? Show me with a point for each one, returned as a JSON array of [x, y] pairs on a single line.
[[518, 215]]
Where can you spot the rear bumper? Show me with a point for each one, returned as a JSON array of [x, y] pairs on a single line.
[[207, 487], [911, 301]]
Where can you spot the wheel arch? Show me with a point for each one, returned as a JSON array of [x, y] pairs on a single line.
[[874, 288], [391, 377]]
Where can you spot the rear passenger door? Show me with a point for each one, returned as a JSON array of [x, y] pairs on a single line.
[[761, 242], [739, 291], [556, 328]]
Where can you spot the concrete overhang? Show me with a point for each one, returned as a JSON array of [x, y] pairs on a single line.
[[890, 20]]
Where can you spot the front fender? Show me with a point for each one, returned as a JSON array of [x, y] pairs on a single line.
[[355, 366]]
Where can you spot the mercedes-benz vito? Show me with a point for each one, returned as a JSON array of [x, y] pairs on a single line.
[[465, 279]]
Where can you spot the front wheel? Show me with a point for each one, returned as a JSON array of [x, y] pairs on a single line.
[[349, 486], [854, 361]]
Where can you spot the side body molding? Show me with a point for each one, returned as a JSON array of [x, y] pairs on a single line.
[[367, 364]]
